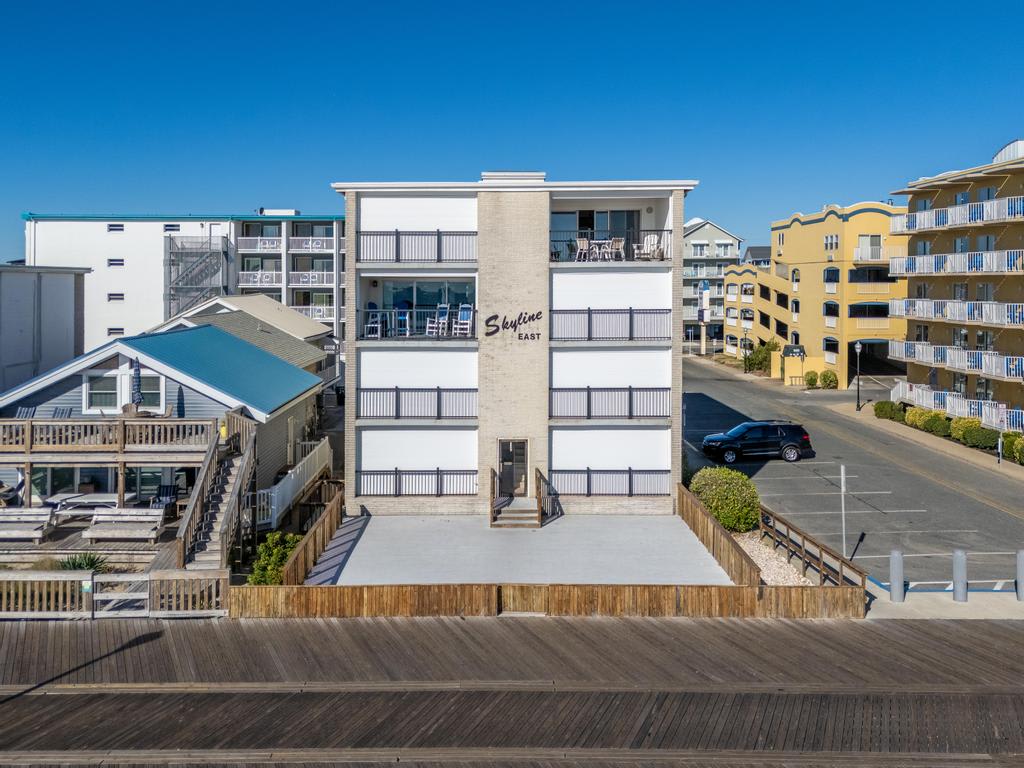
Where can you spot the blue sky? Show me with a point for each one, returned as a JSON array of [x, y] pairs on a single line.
[[213, 107]]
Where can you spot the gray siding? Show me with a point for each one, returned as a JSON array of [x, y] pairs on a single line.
[[272, 440]]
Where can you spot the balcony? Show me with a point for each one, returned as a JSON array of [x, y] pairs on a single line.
[[312, 244], [194, 244], [992, 414], [416, 482], [590, 245], [973, 312], [971, 263], [416, 324], [998, 416], [871, 323], [831, 288], [991, 365], [611, 324], [316, 311], [311, 278], [611, 482], [435, 247], [689, 313], [831, 321], [731, 296], [873, 289], [706, 273], [1002, 209], [259, 244], [878, 253], [609, 403], [918, 352], [259, 279], [401, 403], [747, 298]]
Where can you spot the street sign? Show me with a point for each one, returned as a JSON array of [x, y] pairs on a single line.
[[793, 350]]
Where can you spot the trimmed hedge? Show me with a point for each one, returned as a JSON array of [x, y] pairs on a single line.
[[915, 416], [730, 497], [980, 437], [887, 409], [811, 379], [829, 380], [960, 425], [937, 424], [1018, 451], [1010, 441]]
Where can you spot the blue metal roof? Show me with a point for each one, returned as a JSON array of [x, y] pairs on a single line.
[[226, 363], [30, 216]]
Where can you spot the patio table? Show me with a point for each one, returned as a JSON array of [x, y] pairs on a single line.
[[97, 500], [59, 500]]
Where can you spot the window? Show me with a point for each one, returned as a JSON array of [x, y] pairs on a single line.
[[960, 382], [921, 333], [982, 389], [985, 292], [986, 193], [831, 242], [747, 289], [731, 289], [101, 393], [924, 247], [115, 227], [829, 344], [115, 262], [781, 329], [958, 292], [924, 204], [962, 198], [722, 250], [831, 275], [115, 331], [764, 320], [172, 227], [795, 275], [985, 341], [961, 245], [921, 290], [781, 239], [698, 250], [830, 309], [151, 392], [985, 242], [959, 338], [765, 292], [115, 297], [796, 306], [794, 337]]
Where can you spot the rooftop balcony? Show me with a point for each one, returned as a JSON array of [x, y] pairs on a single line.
[[972, 263], [611, 324], [1002, 209], [435, 247], [258, 279], [970, 312], [595, 245], [876, 254]]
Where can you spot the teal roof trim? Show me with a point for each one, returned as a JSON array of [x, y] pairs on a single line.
[[227, 364], [840, 216], [117, 217]]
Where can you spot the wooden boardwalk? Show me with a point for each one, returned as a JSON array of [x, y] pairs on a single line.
[[513, 691]]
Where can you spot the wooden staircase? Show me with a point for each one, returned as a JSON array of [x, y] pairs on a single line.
[[210, 540], [514, 511]]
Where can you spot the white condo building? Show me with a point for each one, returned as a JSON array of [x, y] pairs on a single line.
[[509, 337], [148, 268]]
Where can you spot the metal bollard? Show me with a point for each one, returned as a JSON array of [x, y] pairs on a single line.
[[897, 588], [959, 576], [1020, 575]]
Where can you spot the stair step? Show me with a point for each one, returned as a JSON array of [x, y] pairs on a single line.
[[516, 524]]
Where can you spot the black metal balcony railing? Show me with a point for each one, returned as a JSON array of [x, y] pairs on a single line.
[[399, 403], [416, 324], [609, 403], [417, 247], [416, 482], [611, 324], [611, 482], [611, 245]]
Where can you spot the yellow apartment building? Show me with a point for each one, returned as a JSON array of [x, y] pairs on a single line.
[[826, 286], [964, 348]]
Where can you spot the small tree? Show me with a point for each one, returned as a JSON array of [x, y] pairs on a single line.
[[760, 358], [811, 379], [829, 380], [271, 556], [729, 496]]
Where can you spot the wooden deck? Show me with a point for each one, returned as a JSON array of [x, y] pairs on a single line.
[[66, 539], [514, 692]]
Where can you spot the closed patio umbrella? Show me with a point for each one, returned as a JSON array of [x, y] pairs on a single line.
[[136, 382]]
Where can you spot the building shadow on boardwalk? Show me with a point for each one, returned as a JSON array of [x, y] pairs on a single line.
[[332, 562]]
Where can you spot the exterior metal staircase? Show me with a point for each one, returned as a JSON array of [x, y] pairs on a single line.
[[195, 271]]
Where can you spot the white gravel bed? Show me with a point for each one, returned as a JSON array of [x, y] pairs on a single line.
[[772, 562]]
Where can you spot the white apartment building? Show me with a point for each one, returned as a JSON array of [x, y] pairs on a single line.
[[708, 249], [147, 268], [511, 336]]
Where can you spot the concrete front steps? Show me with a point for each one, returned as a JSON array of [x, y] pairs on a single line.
[[207, 555], [521, 512]]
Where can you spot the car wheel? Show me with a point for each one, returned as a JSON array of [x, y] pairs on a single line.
[[790, 453], [729, 456]]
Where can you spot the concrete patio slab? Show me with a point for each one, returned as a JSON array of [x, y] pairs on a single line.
[[576, 549]]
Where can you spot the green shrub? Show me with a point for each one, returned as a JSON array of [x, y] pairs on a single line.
[[761, 356], [1018, 451], [887, 409], [960, 425], [811, 379], [83, 561], [271, 556], [981, 437], [729, 496], [916, 417], [936, 423], [829, 380], [1010, 440]]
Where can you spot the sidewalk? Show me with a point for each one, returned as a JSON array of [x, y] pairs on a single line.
[[940, 605], [982, 460]]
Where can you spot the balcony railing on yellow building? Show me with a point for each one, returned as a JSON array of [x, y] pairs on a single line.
[[974, 262], [1000, 209]]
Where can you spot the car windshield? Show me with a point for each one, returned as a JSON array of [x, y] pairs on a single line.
[[738, 430]]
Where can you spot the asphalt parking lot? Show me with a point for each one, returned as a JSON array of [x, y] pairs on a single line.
[[899, 495]]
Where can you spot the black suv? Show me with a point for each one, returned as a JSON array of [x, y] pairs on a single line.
[[758, 438]]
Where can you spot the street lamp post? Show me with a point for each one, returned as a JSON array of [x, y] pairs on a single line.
[[857, 348], [745, 352]]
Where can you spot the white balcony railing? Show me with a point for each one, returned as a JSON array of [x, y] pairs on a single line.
[[316, 311], [311, 278], [966, 215], [730, 321], [249, 279], [979, 312], [974, 262], [999, 416], [878, 253], [748, 324], [796, 287], [731, 296], [259, 244], [831, 322], [272, 503], [311, 244], [689, 313], [730, 349]]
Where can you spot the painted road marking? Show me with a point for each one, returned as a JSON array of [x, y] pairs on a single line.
[[854, 512], [828, 493], [938, 530], [802, 477], [937, 554]]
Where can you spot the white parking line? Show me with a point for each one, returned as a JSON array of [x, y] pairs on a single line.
[[802, 477], [874, 533], [936, 554], [853, 512], [828, 493]]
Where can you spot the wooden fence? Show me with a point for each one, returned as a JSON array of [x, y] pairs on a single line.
[[718, 541], [313, 544], [639, 600]]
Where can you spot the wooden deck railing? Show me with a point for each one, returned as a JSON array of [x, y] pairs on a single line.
[[104, 435], [546, 496], [829, 564], [234, 504], [44, 594], [315, 542], [192, 519], [718, 541], [240, 425]]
